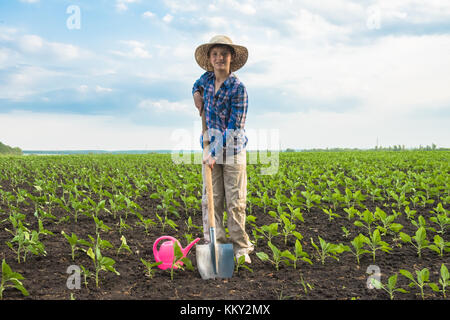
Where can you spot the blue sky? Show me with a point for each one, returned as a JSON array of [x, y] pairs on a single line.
[[334, 73]]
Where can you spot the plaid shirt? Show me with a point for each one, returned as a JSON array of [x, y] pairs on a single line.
[[225, 113]]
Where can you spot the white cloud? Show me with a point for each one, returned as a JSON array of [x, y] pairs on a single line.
[[83, 88], [31, 44], [184, 5], [26, 81], [100, 89], [122, 5], [30, 1], [165, 106], [247, 7], [135, 49], [167, 18], [322, 129], [309, 26], [148, 14], [53, 131]]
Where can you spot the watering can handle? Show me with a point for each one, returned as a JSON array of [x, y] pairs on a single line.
[[155, 245]]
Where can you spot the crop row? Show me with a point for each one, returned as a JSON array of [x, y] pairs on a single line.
[[387, 200]]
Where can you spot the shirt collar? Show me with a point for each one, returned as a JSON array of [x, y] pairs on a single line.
[[229, 80]]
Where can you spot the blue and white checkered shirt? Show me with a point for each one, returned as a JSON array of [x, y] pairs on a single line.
[[225, 113]]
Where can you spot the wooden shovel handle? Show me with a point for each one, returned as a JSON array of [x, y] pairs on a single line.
[[208, 174]]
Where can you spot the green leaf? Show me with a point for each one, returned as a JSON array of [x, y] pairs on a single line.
[[288, 254], [376, 283], [444, 272], [407, 274], [90, 253], [392, 281], [358, 223], [396, 227], [434, 287], [262, 255], [404, 237]]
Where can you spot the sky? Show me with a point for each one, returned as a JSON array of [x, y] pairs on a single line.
[[118, 74]]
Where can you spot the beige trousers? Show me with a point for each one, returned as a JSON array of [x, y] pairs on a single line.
[[229, 179]]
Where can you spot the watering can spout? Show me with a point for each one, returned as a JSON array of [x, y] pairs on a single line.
[[189, 247]]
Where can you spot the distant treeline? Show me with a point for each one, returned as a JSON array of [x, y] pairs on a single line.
[[4, 149], [376, 148]]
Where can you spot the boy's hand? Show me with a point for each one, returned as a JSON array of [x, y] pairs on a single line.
[[210, 161]]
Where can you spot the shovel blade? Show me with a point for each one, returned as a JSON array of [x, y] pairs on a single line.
[[205, 262]]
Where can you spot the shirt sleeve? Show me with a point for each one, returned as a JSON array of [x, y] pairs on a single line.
[[200, 83]]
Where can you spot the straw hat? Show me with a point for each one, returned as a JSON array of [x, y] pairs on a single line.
[[201, 53]]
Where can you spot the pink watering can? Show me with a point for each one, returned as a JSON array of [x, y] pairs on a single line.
[[165, 253]]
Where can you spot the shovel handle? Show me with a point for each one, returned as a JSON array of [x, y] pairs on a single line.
[[208, 175]]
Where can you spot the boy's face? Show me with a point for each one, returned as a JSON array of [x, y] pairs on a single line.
[[220, 58]]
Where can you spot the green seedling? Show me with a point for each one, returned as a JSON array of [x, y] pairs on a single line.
[[150, 267], [190, 225], [345, 231], [399, 199], [288, 227], [240, 263], [166, 222], [146, 223], [305, 285], [295, 213], [74, 242], [441, 218], [375, 243], [367, 219], [331, 214], [444, 279], [390, 287], [86, 274], [387, 221], [351, 212], [100, 225], [11, 279], [101, 263], [358, 245], [124, 245], [310, 199], [277, 255], [42, 230], [375, 194], [439, 245], [328, 249], [26, 242], [421, 280], [300, 254], [177, 257], [410, 213], [414, 200], [420, 240], [123, 226], [269, 231]]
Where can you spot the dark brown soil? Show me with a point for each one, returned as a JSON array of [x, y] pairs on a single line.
[[45, 276]]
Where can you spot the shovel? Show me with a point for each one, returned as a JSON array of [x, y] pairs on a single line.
[[213, 260]]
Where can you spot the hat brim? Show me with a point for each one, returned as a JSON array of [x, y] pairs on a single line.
[[201, 56]]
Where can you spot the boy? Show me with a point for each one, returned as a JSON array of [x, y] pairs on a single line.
[[223, 98]]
